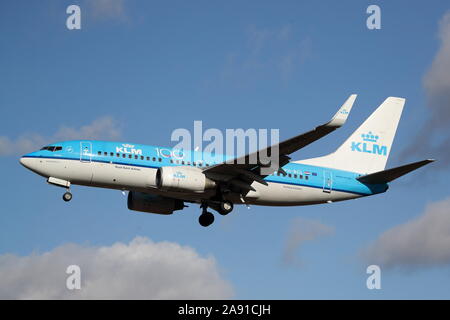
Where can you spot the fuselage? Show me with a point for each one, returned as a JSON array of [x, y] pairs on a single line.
[[133, 167]]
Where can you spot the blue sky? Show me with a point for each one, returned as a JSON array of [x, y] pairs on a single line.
[[151, 67]]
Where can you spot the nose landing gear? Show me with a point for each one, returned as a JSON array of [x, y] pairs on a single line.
[[67, 196]]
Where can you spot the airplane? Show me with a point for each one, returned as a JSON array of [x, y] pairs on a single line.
[[162, 180]]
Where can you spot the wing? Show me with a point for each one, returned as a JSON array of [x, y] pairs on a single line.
[[241, 172]]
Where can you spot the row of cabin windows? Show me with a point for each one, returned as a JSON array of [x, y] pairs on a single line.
[[182, 162], [130, 156], [295, 176], [188, 163]]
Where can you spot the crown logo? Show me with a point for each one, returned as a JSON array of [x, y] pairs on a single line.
[[128, 146], [370, 137]]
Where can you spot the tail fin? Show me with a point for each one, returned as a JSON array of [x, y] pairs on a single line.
[[367, 149]]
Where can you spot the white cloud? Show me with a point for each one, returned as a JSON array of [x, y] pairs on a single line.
[[294, 57], [433, 138], [300, 232], [424, 241], [268, 51], [141, 269], [437, 79], [102, 128], [108, 9]]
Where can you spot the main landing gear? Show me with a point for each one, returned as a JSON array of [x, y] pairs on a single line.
[[67, 196], [225, 207], [207, 218]]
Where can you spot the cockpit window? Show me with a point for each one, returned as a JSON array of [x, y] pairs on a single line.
[[52, 148]]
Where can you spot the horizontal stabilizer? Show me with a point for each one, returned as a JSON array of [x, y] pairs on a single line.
[[392, 174]]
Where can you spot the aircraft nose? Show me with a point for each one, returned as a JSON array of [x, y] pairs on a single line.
[[32, 163], [24, 161], [28, 162]]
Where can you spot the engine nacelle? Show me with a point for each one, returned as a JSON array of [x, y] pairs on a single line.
[[183, 179], [150, 203]]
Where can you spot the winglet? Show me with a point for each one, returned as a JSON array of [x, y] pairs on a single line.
[[341, 116]]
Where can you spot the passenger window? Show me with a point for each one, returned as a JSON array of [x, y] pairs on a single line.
[[178, 161], [129, 156], [99, 153], [153, 159], [171, 161], [111, 154], [148, 158], [105, 153], [300, 176], [188, 163], [58, 148], [289, 175], [142, 157], [117, 154], [124, 155], [200, 164], [306, 177], [135, 156], [194, 164], [182, 162], [295, 176], [159, 159]]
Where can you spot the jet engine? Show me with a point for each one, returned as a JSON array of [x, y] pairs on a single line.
[[150, 203], [183, 179]]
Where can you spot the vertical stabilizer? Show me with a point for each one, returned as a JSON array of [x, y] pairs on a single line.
[[367, 149]]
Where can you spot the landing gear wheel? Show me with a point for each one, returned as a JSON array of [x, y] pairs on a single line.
[[67, 196], [225, 208], [206, 219]]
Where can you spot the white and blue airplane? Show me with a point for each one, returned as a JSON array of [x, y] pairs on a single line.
[[161, 180]]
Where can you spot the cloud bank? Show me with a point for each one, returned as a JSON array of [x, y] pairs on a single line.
[[102, 128], [141, 269], [422, 242], [300, 232], [433, 140]]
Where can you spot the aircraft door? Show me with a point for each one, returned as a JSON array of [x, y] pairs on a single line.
[[85, 151], [327, 181]]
